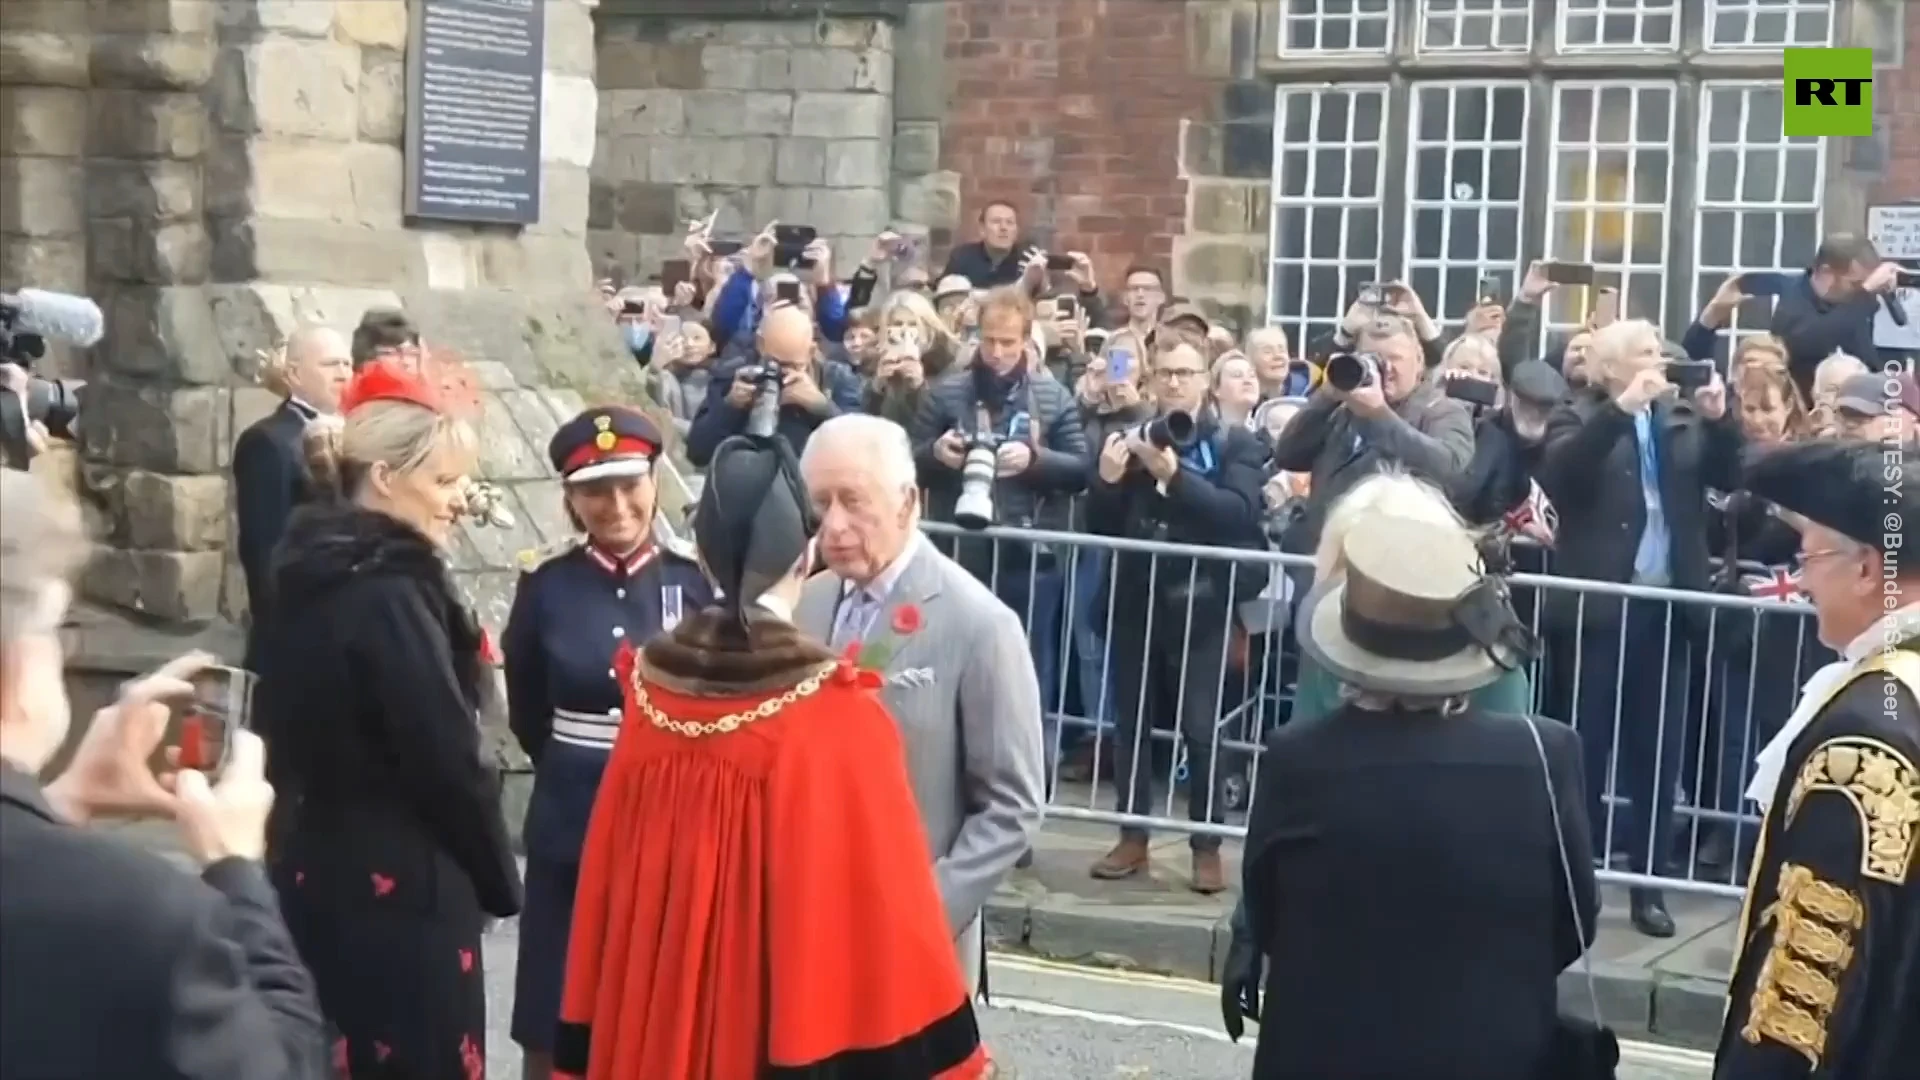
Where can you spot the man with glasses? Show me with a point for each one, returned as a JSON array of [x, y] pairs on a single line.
[[1170, 621], [1145, 293], [1395, 416]]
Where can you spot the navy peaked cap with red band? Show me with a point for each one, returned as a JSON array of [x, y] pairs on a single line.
[[605, 441]]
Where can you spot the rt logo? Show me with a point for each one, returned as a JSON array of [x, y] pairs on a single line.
[[1828, 92]]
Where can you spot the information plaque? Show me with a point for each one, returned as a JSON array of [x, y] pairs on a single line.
[[473, 110]]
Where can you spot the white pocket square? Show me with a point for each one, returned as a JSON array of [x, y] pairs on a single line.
[[911, 677]]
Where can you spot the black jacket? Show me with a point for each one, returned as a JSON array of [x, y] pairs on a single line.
[[370, 683], [1403, 878], [115, 965], [1037, 499], [269, 481], [1591, 471], [1500, 476], [1814, 329], [1218, 510], [976, 264], [716, 419]]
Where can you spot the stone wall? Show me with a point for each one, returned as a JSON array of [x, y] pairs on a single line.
[[761, 120], [215, 172]]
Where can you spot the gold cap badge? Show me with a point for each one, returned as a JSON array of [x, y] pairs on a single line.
[[606, 440]]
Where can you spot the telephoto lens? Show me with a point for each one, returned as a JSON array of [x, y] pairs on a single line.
[[974, 508], [1174, 431], [764, 419], [1347, 372]]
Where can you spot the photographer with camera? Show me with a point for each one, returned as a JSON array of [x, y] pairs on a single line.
[[789, 389], [1628, 462], [34, 409], [1374, 406], [115, 965], [1180, 477], [999, 442]]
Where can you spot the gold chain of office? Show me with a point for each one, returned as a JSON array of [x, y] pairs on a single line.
[[732, 721]]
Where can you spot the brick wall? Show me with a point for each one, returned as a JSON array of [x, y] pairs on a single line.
[[1072, 110], [1897, 96]]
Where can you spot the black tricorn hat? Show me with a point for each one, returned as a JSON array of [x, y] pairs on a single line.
[[1863, 490]]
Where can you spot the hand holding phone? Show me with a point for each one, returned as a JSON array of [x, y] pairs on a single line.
[[1570, 273], [1606, 309], [202, 729]]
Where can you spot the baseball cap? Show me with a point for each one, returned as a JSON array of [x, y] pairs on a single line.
[[1863, 395]]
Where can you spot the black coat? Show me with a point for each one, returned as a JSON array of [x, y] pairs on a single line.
[[1591, 471], [1404, 881], [394, 850], [115, 965], [269, 481]]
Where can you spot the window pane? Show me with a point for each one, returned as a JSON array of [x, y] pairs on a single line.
[[1589, 25], [1765, 25], [1759, 195], [1326, 213], [1608, 200], [1465, 189], [1336, 26], [1476, 25]]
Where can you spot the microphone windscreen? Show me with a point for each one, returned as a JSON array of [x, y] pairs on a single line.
[[75, 320]]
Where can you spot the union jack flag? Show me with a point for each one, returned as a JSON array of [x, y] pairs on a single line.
[[1779, 583], [1535, 518]]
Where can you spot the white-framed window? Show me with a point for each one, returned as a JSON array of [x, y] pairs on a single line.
[[1466, 186], [1759, 194], [1592, 25], [1882, 23], [1610, 195], [1768, 24], [1336, 26], [1476, 25], [1328, 180]]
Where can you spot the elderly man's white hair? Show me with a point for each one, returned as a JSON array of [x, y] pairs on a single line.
[[873, 439], [41, 542]]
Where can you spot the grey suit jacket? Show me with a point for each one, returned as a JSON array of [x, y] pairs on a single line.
[[963, 690]]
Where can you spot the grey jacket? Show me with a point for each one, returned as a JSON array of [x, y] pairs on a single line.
[[1428, 434]]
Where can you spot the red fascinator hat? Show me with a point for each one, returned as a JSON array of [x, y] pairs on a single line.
[[434, 380]]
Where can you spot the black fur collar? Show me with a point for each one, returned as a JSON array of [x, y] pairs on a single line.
[[707, 656], [328, 542]]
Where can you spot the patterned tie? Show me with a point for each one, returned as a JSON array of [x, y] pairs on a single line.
[[855, 615]]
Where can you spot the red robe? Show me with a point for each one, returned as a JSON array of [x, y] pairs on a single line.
[[760, 903]]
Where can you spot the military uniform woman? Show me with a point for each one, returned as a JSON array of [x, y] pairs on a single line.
[[570, 615]]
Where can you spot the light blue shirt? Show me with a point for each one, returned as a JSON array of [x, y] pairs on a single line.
[[1653, 560], [860, 607]]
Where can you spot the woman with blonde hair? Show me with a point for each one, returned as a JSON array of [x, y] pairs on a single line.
[[1235, 389], [390, 852], [913, 349]]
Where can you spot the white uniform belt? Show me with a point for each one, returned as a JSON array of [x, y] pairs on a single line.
[[595, 730]]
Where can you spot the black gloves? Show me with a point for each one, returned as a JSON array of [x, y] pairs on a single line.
[[1240, 981]]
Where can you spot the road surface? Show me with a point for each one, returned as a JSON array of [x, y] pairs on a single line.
[[1058, 1022]]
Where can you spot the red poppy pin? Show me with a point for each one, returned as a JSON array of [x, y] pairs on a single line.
[[489, 652], [907, 619]]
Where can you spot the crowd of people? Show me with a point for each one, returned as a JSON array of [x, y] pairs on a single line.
[[781, 766], [1023, 347]]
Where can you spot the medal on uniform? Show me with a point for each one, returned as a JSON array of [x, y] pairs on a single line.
[[669, 607]]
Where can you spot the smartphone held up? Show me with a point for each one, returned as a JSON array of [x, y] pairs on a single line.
[[200, 729]]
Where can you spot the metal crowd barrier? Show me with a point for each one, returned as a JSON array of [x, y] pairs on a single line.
[[1729, 670]]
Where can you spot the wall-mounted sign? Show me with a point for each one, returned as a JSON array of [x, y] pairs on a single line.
[[473, 110], [1895, 231]]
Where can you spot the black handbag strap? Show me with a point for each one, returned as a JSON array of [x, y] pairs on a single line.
[[1566, 869]]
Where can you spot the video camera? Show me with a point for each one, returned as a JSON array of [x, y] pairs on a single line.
[[28, 319]]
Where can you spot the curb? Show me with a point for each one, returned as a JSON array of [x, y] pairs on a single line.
[[1638, 1003]]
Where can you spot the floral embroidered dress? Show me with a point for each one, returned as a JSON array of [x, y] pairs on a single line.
[[732, 922]]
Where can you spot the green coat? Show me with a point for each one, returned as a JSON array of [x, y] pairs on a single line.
[[1317, 693]]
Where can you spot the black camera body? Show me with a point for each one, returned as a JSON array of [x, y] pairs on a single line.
[[1477, 392], [790, 244], [763, 418], [52, 403]]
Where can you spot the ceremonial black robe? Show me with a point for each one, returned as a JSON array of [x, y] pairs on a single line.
[[1828, 978]]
